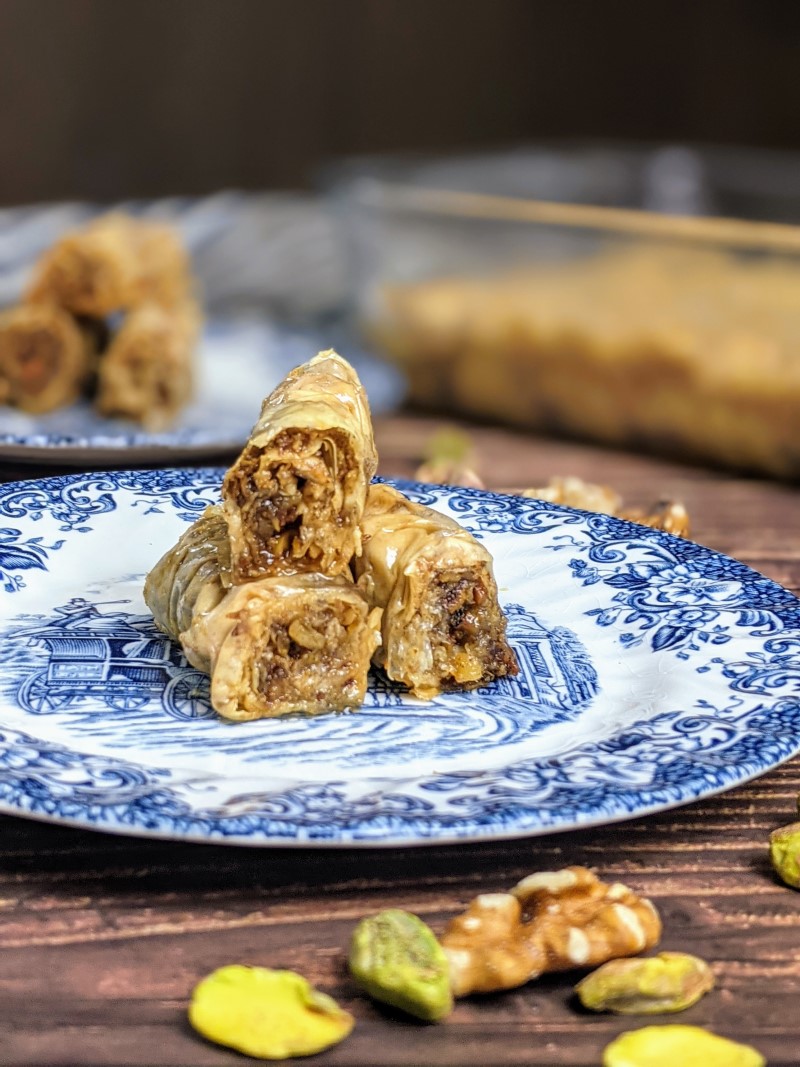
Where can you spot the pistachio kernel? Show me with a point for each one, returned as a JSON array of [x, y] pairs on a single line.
[[784, 851], [271, 1015], [396, 959], [671, 1046], [668, 982]]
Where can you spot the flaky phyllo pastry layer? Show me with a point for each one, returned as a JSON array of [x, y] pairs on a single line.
[[294, 497], [147, 372], [291, 643], [442, 624], [112, 264], [110, 316]]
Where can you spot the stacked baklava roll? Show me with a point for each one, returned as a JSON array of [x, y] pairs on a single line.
[[110, 313], [442, 623], [306, 572], [259, 590]]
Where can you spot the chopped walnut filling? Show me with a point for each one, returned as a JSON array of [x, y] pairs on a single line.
[[466, 630], [457, 599], [304, 661], [37, 360], [293, 510]]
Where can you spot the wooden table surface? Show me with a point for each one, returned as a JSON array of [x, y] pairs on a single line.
[[102, 937]]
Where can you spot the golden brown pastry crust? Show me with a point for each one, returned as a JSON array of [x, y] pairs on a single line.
[[293, 499], [46, 357], [686, 351], [442, 624], [291, 643], [113, 264], [192, 576], [147, 372]]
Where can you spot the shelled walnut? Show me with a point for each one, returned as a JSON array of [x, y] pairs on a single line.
[[551, 921], [445, 465], [576, 493], [668, 515]]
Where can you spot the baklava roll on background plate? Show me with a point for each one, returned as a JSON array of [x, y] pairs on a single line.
[[46, 357], [147, 372], [294, 498], [442, 624], [112, 264], [291, 643]]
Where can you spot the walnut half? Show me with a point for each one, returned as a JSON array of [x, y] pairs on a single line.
[[576, 493], [551, 921], [668, 515]]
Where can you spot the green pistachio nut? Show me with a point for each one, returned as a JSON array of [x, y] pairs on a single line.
[[448, 444], [678, 1046], [671, 981], [396, 959], [784, 851], [271, 1015]]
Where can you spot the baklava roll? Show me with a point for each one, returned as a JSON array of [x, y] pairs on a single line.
[[193, 576], [112, 264], [442, 624], [46, 357], [290, 643], [147, 372], [294, 498]]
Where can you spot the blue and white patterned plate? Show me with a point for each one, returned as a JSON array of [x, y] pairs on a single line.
[[238, 359], [654, 672]]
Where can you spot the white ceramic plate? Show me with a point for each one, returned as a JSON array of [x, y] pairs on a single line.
[[654, 672]]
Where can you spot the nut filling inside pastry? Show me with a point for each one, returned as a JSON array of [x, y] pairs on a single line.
[[309, 654], [288, 643], [293, 499], [280, 645], [458, 633], [307, 572], [46, 358], [442, 625], [293, 511]]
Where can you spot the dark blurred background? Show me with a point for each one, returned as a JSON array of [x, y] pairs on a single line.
[[111, 98]]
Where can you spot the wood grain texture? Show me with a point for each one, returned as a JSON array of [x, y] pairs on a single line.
[[103, 937]]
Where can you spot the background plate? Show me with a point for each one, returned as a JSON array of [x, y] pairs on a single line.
[[237, 360], [654, 672], [270, 271]]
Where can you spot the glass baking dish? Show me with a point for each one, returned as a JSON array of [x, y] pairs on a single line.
[[615, 303]]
